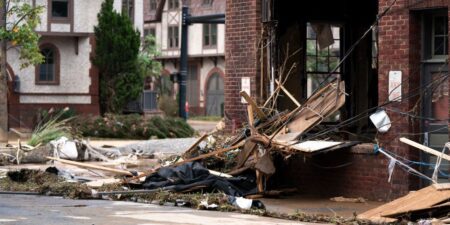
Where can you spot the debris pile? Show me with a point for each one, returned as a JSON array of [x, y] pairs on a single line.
[[231, 170], [238, 166]]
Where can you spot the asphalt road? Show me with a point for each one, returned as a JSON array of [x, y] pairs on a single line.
[[32, 210]]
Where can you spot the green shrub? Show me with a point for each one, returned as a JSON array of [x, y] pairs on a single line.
[[132, 126]]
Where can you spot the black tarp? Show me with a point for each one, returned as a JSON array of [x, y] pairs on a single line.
[[193, 174]]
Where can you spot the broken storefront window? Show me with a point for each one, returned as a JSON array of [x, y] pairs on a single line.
[[323, 53]]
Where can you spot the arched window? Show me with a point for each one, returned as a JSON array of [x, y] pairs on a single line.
[[48, 71]]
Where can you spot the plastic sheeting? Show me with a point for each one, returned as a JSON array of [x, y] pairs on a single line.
[[193, 174]]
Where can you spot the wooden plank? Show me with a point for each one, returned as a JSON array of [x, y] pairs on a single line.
[[242, 156], [319, 106], [442, 186], [425, 148], [219, 151], [255, 107], [313, 146], [91, 166], [288, 94], [421, 199], [250, 115], [190, 149]]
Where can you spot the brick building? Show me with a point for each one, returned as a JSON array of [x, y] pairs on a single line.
[[411, 39]]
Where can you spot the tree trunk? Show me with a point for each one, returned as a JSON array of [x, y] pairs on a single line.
[[3, 81]]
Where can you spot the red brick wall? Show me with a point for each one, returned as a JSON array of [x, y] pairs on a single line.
[[25, 115], [394, 54], [339, 173], [399, 49], [243, 29]]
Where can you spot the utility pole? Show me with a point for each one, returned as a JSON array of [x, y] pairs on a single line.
[[3, 80], [183, 61], [187, 20]]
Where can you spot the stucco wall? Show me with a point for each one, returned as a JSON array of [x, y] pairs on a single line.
[[85, 16], [74, 69]]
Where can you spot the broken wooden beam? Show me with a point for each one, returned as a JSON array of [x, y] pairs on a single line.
[[425, 148], [220, 151], [255, 107], [288, 94], [187, 153], [91, 166]]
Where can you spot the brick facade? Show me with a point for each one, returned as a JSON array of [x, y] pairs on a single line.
[[243, 26], [363, 173]]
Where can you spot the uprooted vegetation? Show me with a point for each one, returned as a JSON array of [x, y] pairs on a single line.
[[53, 124], [26, 180]]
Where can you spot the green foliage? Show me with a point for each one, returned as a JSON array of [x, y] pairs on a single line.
[[50, 128], [132, 126], [116, 56], [168, 105], [148, 66], [20, 33]]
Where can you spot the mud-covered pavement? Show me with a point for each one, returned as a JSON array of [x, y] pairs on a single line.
[[26, 209]]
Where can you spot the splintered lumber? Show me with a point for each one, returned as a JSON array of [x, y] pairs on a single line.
[[250, 115], [259, 175], [242, 156], [188, 152], [422, 199], [425, 148], [255, 107], [318, 107], [91, 166], [288, 94], [220, 151]]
